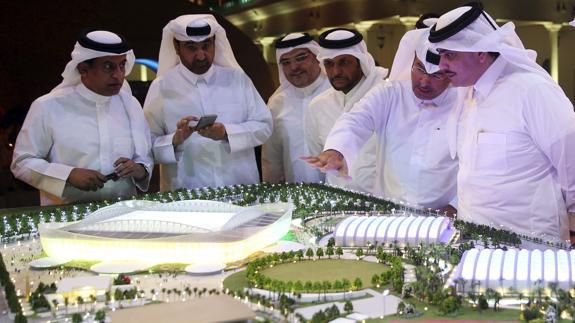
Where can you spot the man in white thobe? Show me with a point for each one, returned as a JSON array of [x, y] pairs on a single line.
[[409, 118], [198, 75], [515, 134], [87, 127], [301, 79], [352, 72]]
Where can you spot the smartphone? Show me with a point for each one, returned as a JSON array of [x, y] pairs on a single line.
[[206, 121], [113, 176]]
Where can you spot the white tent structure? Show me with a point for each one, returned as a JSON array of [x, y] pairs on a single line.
[[520, 269], [357, 231]]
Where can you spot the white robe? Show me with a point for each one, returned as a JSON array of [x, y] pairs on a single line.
[[415, 165], [200, 161], [280, 154], [75, 127], [515, 141], [322, 114]]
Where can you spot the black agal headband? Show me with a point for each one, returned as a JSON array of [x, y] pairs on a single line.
[[116, 48], [339, 43], [198, 31], [459, 24], [281, 43]]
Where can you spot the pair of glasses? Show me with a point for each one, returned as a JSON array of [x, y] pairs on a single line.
[[439, 76], [111, 67], [297, 59]]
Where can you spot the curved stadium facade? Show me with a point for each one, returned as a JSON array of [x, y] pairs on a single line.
[[189, 232], [356, 231], [521, 269]]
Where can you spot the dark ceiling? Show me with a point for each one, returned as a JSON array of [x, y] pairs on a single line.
[[38, 37], [271, 18]]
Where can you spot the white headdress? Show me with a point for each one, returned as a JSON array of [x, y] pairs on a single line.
[[470, 29], [91, 45], [194, 28], [413, 43]]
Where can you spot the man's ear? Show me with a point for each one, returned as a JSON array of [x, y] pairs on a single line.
[[177, 46], [483, 56], [82, 68]]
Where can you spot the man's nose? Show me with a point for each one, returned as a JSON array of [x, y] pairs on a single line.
[[337, 70], [443, 63], [201, 55], [424, 80], [118, 73]]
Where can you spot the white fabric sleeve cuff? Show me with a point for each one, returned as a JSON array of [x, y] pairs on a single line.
[[144, 183], [164, 152], [54, 179], [234, 137]]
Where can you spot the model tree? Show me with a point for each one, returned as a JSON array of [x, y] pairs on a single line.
[[309, 253], [348, 307], [319, 253], [339, 252]]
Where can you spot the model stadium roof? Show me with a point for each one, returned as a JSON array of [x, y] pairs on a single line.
[[193, 231], [521, 269], [359, 230]]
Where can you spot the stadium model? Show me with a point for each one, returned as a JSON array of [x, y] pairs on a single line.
[[188, 232]]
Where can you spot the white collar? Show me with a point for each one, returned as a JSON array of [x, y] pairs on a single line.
[[310, 89], [485, 83], [443, 99], [91, 95], [193, 77], [356, 88]]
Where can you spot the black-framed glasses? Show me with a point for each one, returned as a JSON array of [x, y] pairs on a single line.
[[439, 76], [297, 59]]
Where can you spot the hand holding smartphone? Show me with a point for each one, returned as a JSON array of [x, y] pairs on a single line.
[[206, 121]]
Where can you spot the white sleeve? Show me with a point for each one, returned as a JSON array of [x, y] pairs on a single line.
[[162, 148], [257, 127], [354, 128], [30, 160], [550, 119], [272, 153], [142, 141], [313, 145]]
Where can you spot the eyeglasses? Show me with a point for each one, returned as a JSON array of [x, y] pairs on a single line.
[[439, 76], [297, 59], [111, 67]]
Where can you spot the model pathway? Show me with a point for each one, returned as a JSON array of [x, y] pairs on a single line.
[[375, 306]]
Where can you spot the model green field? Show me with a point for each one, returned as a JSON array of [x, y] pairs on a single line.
[[314, 270]]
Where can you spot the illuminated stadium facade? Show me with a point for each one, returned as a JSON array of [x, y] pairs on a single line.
[[189, 232], [521, 269], [356, 231]]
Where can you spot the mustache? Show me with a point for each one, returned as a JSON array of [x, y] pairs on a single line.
[[297, 72], [200, 63], [339, 78]]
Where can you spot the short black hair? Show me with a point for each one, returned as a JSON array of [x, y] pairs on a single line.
[[90, 61]]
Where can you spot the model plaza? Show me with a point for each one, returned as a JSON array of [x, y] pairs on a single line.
[[259, 242]]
